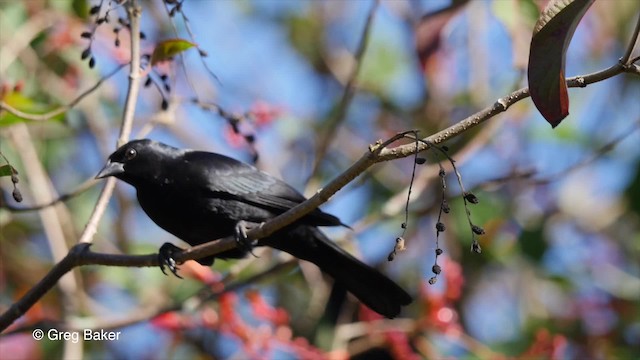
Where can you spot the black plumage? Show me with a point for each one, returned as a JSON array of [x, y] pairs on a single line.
[[201, 196]]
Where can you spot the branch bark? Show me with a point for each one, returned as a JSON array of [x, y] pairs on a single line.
[[133, 11]]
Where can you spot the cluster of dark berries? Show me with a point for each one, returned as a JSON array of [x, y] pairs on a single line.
[[17, 195], [164, 82], [249, 137], [86, 53], [94, 11], [468, 198], [475, 229]]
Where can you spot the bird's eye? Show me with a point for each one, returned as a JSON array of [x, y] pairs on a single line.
[[130, 154]]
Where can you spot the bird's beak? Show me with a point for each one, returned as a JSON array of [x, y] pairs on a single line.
[[111, 169]]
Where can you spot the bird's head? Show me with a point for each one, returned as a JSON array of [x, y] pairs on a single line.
[[138, 161]]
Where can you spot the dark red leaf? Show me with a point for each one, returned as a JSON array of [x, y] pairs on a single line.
[[551, 37]]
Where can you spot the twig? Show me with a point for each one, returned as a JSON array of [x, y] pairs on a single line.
[[501, 105], [338, 115], [632, 44], [62, 109], [202, 53], [598, 153], [86, 185]]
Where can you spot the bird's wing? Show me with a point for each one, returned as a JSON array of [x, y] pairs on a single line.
[[227, 177]]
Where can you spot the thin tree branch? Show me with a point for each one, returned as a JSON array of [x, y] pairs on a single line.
[[597, 154], [339, 113], [632, 43], [501, 105], [133, 12], [86, 185], [529, 175], [62, 109]]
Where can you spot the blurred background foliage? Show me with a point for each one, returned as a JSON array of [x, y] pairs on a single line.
[[559, 274]]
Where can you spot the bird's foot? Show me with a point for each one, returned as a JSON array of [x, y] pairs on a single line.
[[242, 240], [165, 258]]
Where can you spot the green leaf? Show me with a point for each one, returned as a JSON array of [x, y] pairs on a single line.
[[7, 170], [167, 49], [551, 37], [27, 105], [80, 8]]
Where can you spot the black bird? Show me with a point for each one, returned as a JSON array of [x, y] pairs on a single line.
[[201, 196]]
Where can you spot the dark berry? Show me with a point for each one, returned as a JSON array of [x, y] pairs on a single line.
[[85, 53], [477, 230], [445, 207], [471, 198], [436, 269], [17, 195]]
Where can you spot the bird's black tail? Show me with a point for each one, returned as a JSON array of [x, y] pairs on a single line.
[[370, 286]]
